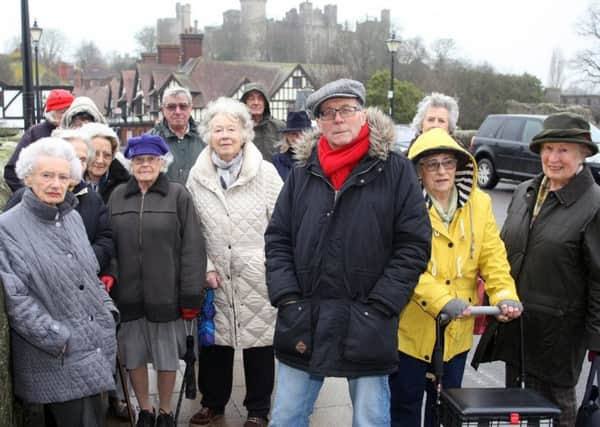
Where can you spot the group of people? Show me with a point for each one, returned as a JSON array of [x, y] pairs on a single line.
[[323, 249]]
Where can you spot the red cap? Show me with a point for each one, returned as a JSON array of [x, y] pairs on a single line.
[[59, 99]]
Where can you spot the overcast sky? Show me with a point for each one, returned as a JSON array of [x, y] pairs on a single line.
[[514, 36]]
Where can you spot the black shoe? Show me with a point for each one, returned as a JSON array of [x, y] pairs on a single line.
[[146, 418], [165, 420]]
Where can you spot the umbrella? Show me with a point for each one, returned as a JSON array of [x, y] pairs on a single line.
[[206, 326]]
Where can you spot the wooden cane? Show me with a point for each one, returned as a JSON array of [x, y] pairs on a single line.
[[125, 391]]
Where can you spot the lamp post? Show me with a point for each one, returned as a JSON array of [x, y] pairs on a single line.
[[392, 45], [28, 107], [36, 35]]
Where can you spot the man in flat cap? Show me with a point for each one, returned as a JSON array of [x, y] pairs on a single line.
[[348, 240]]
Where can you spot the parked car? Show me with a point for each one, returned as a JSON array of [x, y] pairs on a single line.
[[501, 148], [404, 136]]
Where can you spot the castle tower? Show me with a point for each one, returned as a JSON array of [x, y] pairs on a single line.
[[253, 30]]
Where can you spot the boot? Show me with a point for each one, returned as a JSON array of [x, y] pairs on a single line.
[[146, 418], [164, 419]]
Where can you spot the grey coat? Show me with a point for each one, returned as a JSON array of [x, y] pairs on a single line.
[[62, 320]]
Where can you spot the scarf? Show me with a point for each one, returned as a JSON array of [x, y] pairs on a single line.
[[337, 164], [227, 172], [446, 215]]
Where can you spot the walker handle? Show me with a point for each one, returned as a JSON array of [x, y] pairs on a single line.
[[476, 310]]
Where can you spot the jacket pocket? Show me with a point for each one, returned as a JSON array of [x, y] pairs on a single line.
[[371, 337], [293, 335]]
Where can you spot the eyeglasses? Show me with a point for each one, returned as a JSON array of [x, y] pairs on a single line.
[[140, 160], [345, 112], [51, 177], [182, 106], [434, 165]]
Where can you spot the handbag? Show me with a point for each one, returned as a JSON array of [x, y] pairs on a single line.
[[588, 414]]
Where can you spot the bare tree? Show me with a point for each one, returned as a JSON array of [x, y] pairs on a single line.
[[52, 46], [88, 53], [588, 60], [556, 74], [146, 38], [443, 50]]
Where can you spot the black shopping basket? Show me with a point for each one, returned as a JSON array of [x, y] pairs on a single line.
[[491, 407]]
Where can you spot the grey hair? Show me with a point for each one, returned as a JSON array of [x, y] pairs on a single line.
[[231, 108], [436, 100], [51, 117], [176, 91], [74, 134], [167, 159], [100, 130], [49, 147]]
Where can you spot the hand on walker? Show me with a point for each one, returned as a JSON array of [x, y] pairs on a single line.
[[509, 310], [213, 280]]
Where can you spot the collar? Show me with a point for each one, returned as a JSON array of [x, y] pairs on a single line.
[[576, 187], [160, 186], [48, 213], [191, 128]]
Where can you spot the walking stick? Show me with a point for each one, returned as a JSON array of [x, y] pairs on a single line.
[[125, 391], [188, 382]]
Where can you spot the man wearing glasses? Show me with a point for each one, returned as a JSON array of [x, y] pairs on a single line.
[[347, 242], [180, 132]]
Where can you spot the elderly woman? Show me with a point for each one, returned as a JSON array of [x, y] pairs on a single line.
[[90, 206], [81, 111], [161, 267], [62, 320], [436, 111], [297, 123], [465, 243], [552, 234], [104, 171], [234, 191]]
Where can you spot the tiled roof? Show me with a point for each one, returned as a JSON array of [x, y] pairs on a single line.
[[99, 94]]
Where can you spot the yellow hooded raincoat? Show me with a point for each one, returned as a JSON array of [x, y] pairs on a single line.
[[470, 246]]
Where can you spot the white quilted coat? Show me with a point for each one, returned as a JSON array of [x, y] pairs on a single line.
[[234, 223]]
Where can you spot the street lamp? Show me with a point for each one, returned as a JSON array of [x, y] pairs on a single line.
[[36, 35], [392, 45]]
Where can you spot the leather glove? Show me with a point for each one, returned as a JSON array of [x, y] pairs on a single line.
[[108, 282], [455, 308], [511, 303], [189, 313]]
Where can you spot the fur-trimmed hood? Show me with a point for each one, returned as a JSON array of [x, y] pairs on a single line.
[[381, 137]]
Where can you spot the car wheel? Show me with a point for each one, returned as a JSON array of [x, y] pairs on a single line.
[[486, 173]]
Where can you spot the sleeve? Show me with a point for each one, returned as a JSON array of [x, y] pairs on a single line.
[[103, 245], [591, 259], [493, 262], [193, 257], [430, 295], [411, 245], [27, 316], [10, 175], [279, 250]]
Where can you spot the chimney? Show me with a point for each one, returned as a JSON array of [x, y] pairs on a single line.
[[149, 58], [191, 46], [168, 54]]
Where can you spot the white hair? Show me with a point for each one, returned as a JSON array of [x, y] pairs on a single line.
[[176, 91], [436, 100], [49, 147], [232, 108], [76, 134], [51, 117], [100, 130]]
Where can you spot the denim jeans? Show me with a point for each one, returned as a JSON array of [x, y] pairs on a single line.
[[297, 391], [409, 383]]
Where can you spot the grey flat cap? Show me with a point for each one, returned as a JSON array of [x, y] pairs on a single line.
[[342, 88]]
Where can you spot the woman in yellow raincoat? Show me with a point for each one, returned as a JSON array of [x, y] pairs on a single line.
[[465, 243]]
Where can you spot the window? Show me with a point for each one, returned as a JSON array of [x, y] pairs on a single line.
[[297, 82], [511, 130], [532, 128], [489, 127]]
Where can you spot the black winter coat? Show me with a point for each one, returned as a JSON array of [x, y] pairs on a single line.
[[35, 132], [350, 259], [94, 214], [160, 251], [556, 266], [117, 174]]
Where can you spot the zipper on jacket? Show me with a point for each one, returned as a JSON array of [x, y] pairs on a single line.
[[140, 239]]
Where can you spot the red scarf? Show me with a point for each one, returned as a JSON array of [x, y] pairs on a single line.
[[337, 164]]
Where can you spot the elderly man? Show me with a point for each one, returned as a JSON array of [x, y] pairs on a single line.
[[347, 242], [266, 127], [57, 103], [180, 132]]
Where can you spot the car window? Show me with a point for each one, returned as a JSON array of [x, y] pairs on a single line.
[[489, 127], [532, 128], [511, 130]]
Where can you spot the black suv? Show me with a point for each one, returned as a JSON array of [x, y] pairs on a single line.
[[501, 148]]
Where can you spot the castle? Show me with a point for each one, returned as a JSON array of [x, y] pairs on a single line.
[[307, 34]]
